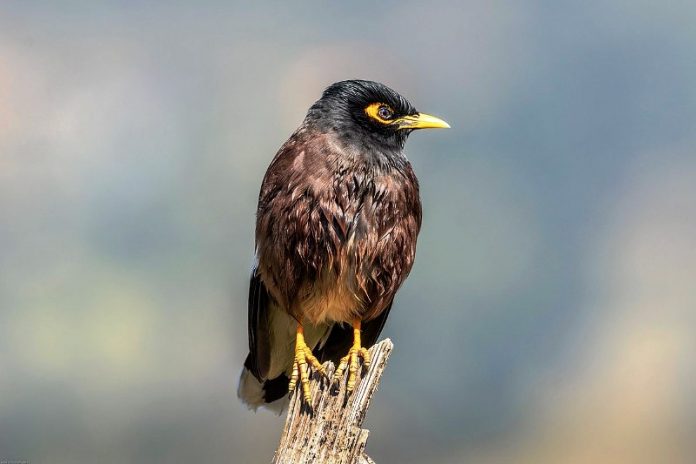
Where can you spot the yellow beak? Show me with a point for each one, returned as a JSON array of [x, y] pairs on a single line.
[[421, 121]]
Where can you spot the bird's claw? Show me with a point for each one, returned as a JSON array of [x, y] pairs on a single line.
[[300, 369], [352, 361]]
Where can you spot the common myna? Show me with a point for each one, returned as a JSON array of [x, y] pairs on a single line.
[[336, 228]]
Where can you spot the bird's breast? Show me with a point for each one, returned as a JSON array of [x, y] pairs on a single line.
[[336, 291], [333, 241], [330, 300]]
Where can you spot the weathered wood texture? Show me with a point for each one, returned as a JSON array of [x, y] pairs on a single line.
[[332, 433]]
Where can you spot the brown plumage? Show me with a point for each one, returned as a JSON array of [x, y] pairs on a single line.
[[335, 235], [337, 223]]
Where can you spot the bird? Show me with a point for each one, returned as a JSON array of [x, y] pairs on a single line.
[[337, 222]]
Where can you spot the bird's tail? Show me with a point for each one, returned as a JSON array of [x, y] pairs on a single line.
[[269, 393]]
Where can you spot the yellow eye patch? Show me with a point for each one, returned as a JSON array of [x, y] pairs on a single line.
[[380, 112]]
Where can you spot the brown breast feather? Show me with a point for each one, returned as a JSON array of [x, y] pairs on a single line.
[[335, 234]]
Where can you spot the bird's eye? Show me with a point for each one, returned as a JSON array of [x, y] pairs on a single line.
[[381, 113], [385, 112]]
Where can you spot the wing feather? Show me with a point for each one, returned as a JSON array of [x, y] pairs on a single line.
[[258, 326]]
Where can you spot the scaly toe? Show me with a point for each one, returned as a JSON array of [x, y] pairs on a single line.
[[367, 359], [351, 362], [314, 362], [300, 372], [342, 365]]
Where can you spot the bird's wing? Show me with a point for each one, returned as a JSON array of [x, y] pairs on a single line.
[[258, 322], [340, 339]]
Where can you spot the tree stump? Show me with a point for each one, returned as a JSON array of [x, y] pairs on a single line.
[[330, 432]]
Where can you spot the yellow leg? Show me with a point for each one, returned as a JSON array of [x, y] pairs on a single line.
[[352, 359], [300, 368]]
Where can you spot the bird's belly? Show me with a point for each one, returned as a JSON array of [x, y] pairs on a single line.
[[331, 298]]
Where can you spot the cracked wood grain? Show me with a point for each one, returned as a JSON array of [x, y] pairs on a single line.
[[331, 432]]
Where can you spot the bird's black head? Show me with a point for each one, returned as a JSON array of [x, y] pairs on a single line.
[[368, 116]]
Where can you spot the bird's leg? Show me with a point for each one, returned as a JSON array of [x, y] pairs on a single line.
[[300, 368], [352, 359]]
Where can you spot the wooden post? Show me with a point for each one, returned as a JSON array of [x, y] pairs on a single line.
[[331, 432]]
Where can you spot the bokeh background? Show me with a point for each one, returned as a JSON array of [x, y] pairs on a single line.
[[551, 314]]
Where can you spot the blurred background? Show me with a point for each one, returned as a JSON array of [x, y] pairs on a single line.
[[550, 315]]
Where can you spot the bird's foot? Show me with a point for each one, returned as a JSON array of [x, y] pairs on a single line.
[[300, 366], [352, 360]]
